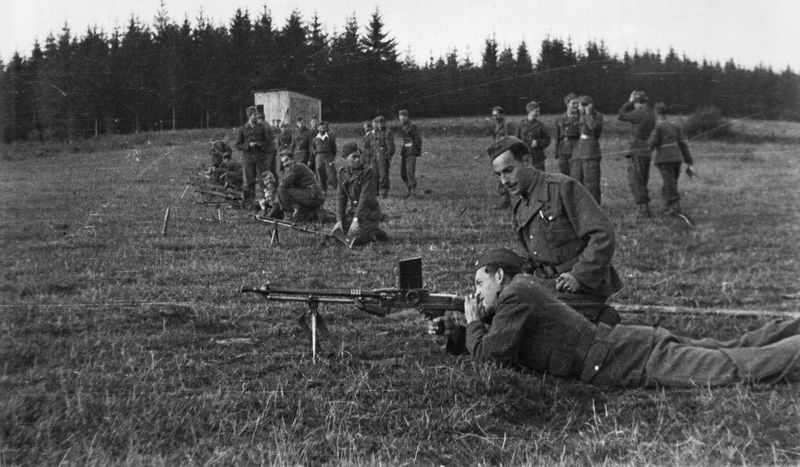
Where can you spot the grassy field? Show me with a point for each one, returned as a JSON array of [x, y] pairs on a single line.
[[120, 345]]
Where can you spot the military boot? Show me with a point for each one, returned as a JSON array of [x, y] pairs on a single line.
[[644, 211]]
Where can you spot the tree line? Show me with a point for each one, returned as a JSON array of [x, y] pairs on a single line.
[[171, 75]]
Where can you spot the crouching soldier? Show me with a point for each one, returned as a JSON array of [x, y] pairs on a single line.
[[357, 210], [232, 176], [219, 150], [299, 193]]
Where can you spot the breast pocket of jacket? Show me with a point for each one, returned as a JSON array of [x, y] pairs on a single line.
[[557, 228]]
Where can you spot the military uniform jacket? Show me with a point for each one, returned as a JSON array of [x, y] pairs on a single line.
[[301, 139], [365, 145], [591, 126], [501, 128], [534, 130], [563, 229], [642, 121], [383, 143], [254, 133], [668, 144], [533, 330], [568, 132], [324, 145], [284, 141], [359, 188], [412, 141]]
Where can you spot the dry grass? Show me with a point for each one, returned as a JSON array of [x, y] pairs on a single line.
[[122, 346]]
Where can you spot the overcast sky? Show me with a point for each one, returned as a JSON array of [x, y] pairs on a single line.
[[751, 32]]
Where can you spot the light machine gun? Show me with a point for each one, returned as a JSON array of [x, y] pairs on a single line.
[[380, 302], [337, 235]]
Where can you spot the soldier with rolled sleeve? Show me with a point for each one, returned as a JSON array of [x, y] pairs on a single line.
[[255, 142], [412, 148], [323, 151], [383, 149], [568, 240], [533, 133], [669, 150], [567, 133], [585, 164], [638, 113], [358, 212]]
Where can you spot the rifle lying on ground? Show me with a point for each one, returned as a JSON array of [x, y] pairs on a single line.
[[337, 235], [380, 302]]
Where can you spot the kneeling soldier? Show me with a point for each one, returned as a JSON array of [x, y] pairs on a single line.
[[299, 193], [357, 209]]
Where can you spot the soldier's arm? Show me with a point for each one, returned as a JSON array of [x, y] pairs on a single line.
[[241, 142], [389, 143], [417, 138], [544, 137], [687, 156], [341, 200], [592, 225], [624, 112], [369, 194]]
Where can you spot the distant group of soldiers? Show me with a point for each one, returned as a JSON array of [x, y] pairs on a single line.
[[294, 170], [577, 146]]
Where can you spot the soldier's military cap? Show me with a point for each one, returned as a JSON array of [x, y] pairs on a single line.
[[250, 110], [507, 143], [403, 112], [585, 100], [349, 148], [641, 97], [502, 258], [570, 97], [378, 119], [497, 109], [530, 106]]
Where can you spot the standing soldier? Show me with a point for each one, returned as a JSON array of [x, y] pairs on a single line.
[[301, 142], [670, 149], [272, 153], [533, 133], [568, 133], [365, 145], [357, 209], [383, 149], [642, 120], [284, 139], [323, 150], [412, 148], [255, 143], [501, 128], [585, 165]]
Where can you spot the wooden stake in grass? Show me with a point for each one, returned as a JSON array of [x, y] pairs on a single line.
[[166, 222], [184, 192], [219, 214]]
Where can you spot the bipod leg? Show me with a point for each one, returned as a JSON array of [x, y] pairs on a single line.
[[273, 238], [317, 326]]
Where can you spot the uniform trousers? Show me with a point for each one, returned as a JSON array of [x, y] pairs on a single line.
[[639, 177], [587, 173]]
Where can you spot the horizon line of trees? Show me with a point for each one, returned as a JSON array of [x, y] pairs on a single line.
[[177, 76]]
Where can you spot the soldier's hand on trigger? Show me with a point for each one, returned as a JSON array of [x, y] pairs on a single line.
[[566, 282], [441, 326]]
